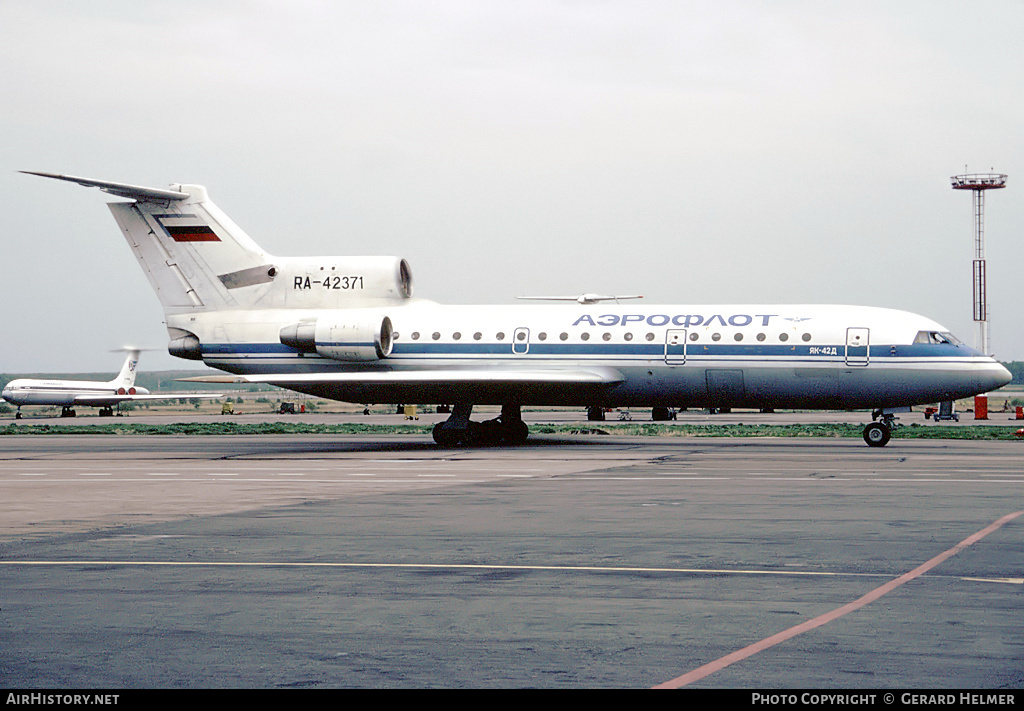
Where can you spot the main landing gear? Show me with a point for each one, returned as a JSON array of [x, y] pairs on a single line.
[[508, 428], [878, 434]]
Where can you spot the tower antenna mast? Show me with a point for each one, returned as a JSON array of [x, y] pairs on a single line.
[[978, 183]]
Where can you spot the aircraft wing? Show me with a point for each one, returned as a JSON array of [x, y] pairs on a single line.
[[113, 398], [439, 376]]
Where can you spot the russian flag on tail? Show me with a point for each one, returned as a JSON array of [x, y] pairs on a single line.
[[187, 228]]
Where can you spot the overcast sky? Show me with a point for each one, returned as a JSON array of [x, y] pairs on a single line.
[[693, 152]]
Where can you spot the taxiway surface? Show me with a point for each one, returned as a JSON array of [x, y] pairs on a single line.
[[383, 561]]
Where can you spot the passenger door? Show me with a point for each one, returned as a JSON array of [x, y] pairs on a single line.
[[675, 346], [521, 341], [857, 346]]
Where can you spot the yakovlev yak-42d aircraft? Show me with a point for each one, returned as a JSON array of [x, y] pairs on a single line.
[[349, 328], [67, 394]]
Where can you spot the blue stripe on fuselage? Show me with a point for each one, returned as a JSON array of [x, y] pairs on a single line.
[[811, 352]]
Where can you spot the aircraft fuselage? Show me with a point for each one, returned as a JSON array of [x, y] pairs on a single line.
[[781, 356]]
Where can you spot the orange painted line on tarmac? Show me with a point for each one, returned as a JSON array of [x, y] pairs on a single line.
[[768, 642]]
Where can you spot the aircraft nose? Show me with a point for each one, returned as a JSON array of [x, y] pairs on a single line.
[[1002, 376]]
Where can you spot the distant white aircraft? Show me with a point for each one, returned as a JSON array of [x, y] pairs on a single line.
[[71, 393], [349, 328]]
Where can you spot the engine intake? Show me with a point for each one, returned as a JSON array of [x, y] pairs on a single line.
[[184, 345]]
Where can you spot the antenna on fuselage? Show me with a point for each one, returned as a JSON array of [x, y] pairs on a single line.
[[581, 299]]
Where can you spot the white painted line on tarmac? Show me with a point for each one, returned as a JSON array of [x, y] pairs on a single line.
[[438, 566], [1011, 581]]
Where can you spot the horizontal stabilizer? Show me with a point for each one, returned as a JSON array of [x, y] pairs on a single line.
[[135, 192]]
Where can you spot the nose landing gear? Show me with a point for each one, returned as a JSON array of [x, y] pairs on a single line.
[[878, 434]]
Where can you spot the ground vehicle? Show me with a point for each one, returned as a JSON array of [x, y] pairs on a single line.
[[945, 411]]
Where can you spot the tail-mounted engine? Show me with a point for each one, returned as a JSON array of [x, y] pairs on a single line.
[[345, 335], [341, 282]]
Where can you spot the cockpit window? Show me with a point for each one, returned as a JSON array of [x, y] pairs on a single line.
[[937, 338]]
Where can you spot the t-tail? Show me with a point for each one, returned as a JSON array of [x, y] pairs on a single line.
[[125, 380], [198, 261]]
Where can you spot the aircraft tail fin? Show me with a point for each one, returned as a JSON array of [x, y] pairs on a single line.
[[126, 378], [194, 256]]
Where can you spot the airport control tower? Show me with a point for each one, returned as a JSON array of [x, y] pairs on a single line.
[[979, 183]]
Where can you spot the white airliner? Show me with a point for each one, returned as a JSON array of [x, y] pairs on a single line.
[[349, 328], [84, 393]]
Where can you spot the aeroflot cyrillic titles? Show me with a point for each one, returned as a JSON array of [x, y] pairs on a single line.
[[680, 320], [349, 328]]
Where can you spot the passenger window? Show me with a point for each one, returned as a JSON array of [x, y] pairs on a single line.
[[500, 336], [694, 336], [563, 336], [435, 335], [649, 336], [628, 337], [585, 336], [477, 336], [738, 337], [783, 336], [716, 336], [542, 336], [806, 337], [761, 336], [415, 335], [456, 336]]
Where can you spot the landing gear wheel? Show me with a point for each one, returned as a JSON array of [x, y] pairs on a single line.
[[459, 431], [515, 432], [877, 435], [486, 433], [447, 436]]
